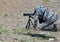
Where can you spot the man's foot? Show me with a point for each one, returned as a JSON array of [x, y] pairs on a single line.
[[55, 27]]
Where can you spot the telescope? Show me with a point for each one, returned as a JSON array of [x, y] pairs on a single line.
[[27, 14], [29, 20]]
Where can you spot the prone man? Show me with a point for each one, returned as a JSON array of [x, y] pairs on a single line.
[[44, 15]]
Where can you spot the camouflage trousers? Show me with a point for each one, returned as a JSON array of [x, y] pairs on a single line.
[[47, 23]]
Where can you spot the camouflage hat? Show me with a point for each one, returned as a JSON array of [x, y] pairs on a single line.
[[38, 7]]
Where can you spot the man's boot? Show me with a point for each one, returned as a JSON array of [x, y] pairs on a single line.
[[55, 27]]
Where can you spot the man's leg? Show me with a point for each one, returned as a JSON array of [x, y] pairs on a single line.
[[35, 21], [46, 25], [51, 23]]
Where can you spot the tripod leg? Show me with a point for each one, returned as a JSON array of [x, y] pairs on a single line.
[[28, 24]]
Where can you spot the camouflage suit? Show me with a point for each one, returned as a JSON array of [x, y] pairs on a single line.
[[44, 15]]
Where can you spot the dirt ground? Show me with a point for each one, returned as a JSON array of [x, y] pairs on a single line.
[[11, 16]]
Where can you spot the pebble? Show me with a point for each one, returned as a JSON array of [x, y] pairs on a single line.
[[0, 41], [51, 39]]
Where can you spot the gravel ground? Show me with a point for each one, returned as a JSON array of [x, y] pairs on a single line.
[[11, 17]]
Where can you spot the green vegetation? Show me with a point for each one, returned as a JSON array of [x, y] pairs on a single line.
[[3, 30], [21, 32], [7, 15], [25, 38], [46, 0]]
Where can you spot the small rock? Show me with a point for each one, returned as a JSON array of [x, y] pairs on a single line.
[[15, 38], [42, 33], [51, 39], [0, 41]]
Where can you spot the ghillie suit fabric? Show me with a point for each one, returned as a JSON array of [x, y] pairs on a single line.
[[44, 15]]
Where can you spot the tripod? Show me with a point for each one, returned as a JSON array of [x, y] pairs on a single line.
[[29, 22]]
